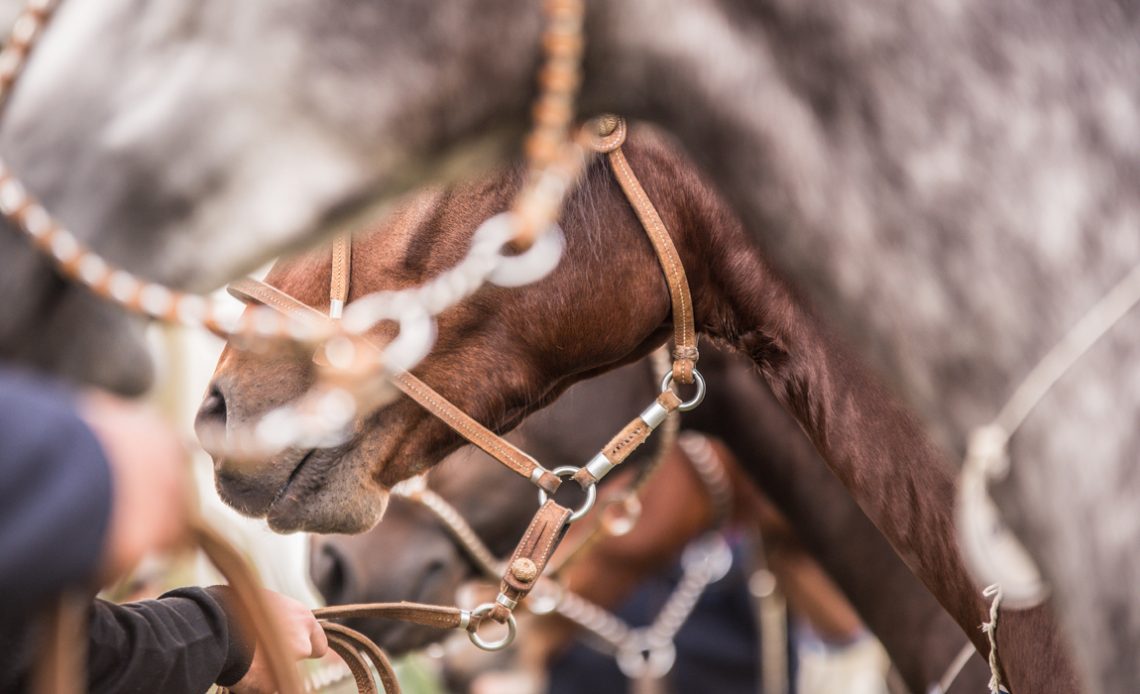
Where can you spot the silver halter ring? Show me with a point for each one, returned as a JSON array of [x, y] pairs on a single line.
[[497, 645], [591, 492], [692, 402]]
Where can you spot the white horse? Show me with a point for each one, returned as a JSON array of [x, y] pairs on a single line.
[[951, 182]]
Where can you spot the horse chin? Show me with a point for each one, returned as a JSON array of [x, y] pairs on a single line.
[[330, 512], [322, 491]]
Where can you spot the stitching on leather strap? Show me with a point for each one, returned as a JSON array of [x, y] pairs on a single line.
[[627, 441], [439, 616], [474, 432], [341, 268]]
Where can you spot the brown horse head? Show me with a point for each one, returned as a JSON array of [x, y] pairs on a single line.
[[500, 355]]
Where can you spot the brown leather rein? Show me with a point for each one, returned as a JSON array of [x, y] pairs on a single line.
[[552, 520]]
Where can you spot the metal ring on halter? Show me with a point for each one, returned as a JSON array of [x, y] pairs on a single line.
[[693, 401], [473, 629], [591, 492], [529, 266]]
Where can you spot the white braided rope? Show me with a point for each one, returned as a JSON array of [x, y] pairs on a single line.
[[706, 561], [460, 530], [987, 456], [990, 629]]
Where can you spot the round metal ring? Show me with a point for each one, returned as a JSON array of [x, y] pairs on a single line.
[[591, 492], [473, 630], [693, 401]]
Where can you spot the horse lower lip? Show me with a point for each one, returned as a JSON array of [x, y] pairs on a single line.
[[292, 477]]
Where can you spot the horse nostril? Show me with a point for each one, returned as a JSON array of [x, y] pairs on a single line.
[[435, 569], [329, 572], [213, 409], [435, 581]]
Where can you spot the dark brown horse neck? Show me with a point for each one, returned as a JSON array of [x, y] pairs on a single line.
[[873, 444], [920, 637]]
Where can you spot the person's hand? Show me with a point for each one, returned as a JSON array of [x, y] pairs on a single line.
[[149, 481], [302, 635]]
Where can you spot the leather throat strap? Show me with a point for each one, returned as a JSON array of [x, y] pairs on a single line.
[[610, 132]]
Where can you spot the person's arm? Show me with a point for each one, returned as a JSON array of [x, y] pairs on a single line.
[[55, 495], [189, 639], [185, 641]]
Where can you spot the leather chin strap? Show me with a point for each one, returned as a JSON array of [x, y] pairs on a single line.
[[609, 135]]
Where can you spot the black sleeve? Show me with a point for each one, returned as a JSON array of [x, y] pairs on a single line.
[[55, 496], [185, 641]]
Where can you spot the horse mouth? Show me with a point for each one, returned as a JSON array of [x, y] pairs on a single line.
[[307, 477], [292, 477]]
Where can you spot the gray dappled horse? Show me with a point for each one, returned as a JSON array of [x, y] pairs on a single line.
[[950, 182]]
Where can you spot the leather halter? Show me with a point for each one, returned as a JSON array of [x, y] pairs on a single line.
[[611, 135], [550, 523]]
